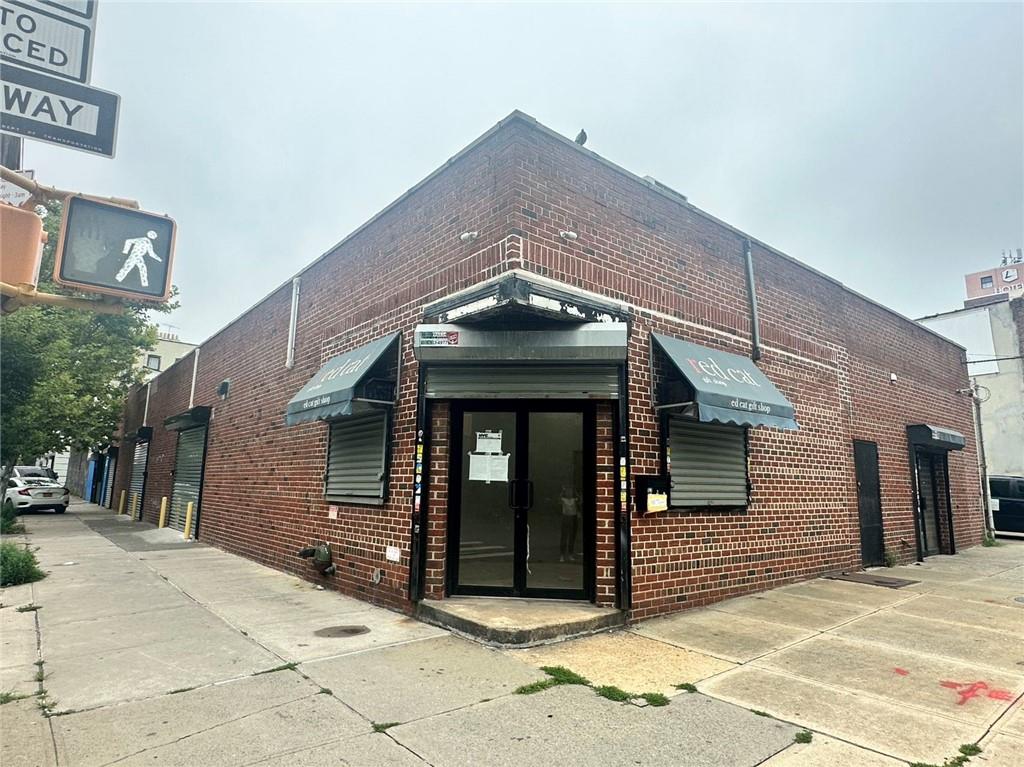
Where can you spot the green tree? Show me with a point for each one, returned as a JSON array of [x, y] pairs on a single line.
[[64, 373]]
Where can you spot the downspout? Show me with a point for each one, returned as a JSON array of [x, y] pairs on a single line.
[[195, 368], [293, 321], [755, 322], [145, 411]]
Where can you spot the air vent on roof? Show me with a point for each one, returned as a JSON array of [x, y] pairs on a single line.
[[664, 188]]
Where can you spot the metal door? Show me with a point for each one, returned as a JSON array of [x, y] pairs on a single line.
[[188, 478], [137, 485], [928, 502], [869, 503]]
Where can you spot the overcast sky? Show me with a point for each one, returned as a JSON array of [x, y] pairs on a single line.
[[881, 144]]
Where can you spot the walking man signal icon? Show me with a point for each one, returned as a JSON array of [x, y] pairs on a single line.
[[137, 248], [102, 244]]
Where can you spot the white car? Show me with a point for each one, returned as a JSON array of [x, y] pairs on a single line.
[[32, 488]]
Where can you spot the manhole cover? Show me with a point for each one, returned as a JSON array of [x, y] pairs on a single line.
[[341, 631]]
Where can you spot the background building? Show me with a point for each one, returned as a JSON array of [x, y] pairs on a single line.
[[90, 473], [1007, 278], [991, 329], [168, 350]]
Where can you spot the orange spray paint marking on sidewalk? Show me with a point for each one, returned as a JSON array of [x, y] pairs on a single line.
[[969, 690], [901, 671]]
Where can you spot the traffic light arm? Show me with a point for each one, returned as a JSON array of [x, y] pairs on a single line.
[[19, 295], [43, 192]]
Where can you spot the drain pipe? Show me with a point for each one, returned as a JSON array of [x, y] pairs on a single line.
[[755, 322]]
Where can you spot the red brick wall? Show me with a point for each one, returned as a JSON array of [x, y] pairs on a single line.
[[828, 350], [681, 273], [263, 487]]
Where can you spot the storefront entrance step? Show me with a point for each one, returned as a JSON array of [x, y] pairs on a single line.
[[507, 622]]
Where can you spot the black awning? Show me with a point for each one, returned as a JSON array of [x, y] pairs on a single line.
[[367, 375], [196, 416], [720, 387], [935, 436], [142, 434]]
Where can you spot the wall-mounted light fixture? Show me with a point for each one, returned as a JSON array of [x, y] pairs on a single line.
[[469, 236], [568, 235]]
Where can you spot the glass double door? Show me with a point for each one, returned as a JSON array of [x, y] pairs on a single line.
[[522, 499]]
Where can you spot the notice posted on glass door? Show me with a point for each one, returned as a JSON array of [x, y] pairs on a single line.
[[488, 467]]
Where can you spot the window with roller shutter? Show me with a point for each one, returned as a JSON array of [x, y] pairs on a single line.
[[708, 464], [357, 457]]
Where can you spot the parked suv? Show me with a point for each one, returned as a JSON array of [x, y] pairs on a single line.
[[1007, 503]]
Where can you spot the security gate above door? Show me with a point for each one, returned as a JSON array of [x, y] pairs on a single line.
[[188, 478]]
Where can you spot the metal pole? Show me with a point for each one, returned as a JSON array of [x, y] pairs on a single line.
[[10, 152], [990, 525]]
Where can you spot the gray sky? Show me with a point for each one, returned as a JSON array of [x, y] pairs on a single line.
[[881, 144]]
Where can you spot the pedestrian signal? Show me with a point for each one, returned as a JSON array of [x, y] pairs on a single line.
[[114, 250]]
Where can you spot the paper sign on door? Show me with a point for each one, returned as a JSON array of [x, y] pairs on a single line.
[[485, 467]]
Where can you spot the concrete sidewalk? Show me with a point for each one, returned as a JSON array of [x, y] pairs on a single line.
[[146, 649]]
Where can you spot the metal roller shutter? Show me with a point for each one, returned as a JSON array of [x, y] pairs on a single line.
[[356, 458], [188, 477], [137, 485], [108, 480], [708, 463], [523, 382]]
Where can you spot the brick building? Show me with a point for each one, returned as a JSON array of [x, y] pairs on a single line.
[[537, 374]]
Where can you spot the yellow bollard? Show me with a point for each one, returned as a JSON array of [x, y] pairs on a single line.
[[135, 505], [186, 533], [120, 504], [163, 511]]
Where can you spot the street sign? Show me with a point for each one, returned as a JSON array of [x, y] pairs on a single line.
[[51, 37], [47, 108], [15, 195], [117, 251]]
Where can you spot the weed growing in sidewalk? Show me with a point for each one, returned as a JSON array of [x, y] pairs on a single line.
[[686, 687], [282, 667], [325, 691], [538, 686], [655, 699], [28, 608], [18, 565], [967, 750], [804, 736], [559, 675], [611, 692], [760, 713], [9, 696], [562, 675], [990, 540], [382, 726]]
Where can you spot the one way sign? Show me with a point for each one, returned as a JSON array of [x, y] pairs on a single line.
[[47, 108]]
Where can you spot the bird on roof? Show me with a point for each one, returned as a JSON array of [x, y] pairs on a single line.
[[581, 137]]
